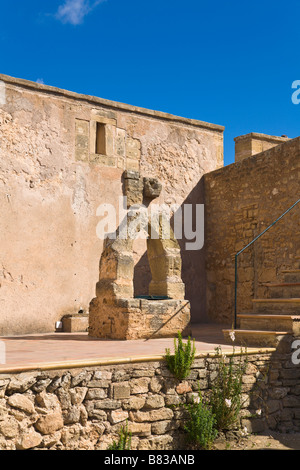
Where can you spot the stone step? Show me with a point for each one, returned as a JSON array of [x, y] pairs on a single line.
[[283, 290], [256, 321], [292, 275], [277, 306], [254, 338]]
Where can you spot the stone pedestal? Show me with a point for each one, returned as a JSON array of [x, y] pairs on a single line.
[[127, 319]]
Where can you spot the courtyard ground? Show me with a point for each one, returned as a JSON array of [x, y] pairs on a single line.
[[54, 350], [266, 441]]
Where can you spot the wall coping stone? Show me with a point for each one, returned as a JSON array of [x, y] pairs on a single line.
[[123, 360], [108, 103], [283, 147], [264, 137]]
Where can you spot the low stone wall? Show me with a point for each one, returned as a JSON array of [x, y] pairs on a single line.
[[85, 408]]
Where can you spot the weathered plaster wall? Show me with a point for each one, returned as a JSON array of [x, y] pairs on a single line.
[[52, 182], [241, 201]]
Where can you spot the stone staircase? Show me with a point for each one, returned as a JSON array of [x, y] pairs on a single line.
[[272, 318]]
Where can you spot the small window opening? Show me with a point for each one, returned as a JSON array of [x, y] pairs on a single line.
[[100, 139]]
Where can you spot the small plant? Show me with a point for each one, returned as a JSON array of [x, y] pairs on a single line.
[[226, 393], [180, 363], [201, 424], [124, 442]]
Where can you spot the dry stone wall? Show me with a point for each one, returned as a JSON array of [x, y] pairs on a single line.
[[85, 408]]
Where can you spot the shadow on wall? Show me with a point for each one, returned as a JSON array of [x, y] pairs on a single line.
[[193, 265], [242, 200], [275, 398]]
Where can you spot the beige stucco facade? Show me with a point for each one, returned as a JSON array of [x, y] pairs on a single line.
[[61, 156]]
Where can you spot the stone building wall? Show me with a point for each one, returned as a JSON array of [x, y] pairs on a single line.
[[242, 200], [61, 156]]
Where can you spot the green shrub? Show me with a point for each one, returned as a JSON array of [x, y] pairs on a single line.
[[124, 442], [180, 363], [201, 424], [226, 392]]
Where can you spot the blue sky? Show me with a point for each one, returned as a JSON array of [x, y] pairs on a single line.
[[226, 62]]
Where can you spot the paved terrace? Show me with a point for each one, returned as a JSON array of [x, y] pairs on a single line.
[[68, 350]]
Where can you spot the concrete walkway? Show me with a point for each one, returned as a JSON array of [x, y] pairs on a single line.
[[66, 350]]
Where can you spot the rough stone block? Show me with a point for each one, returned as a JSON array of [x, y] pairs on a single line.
[[134, 403], [104, 160], [120, 142], [22, 403], [154, 401], [140, 429], [133, 149], [133, 186], [108, 404], [96, 394], [162, 427], [153, 415], [9, 428], [75, 323], [29, 440], [117, 416], [82, 142], [132, 164], [152, 188], [50, 423], [121, 390], [140, 385]]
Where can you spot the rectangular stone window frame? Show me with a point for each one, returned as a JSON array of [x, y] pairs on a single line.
[[96, 141], [102, 136]]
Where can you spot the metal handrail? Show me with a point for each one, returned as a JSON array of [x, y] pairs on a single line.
[[247, 246]]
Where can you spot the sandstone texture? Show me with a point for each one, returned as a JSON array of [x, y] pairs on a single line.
[[251, 144], [62, 155], [242, 200], [115, 313], [85, 408]]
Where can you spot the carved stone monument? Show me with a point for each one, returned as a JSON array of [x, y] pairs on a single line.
[[115, 313]]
